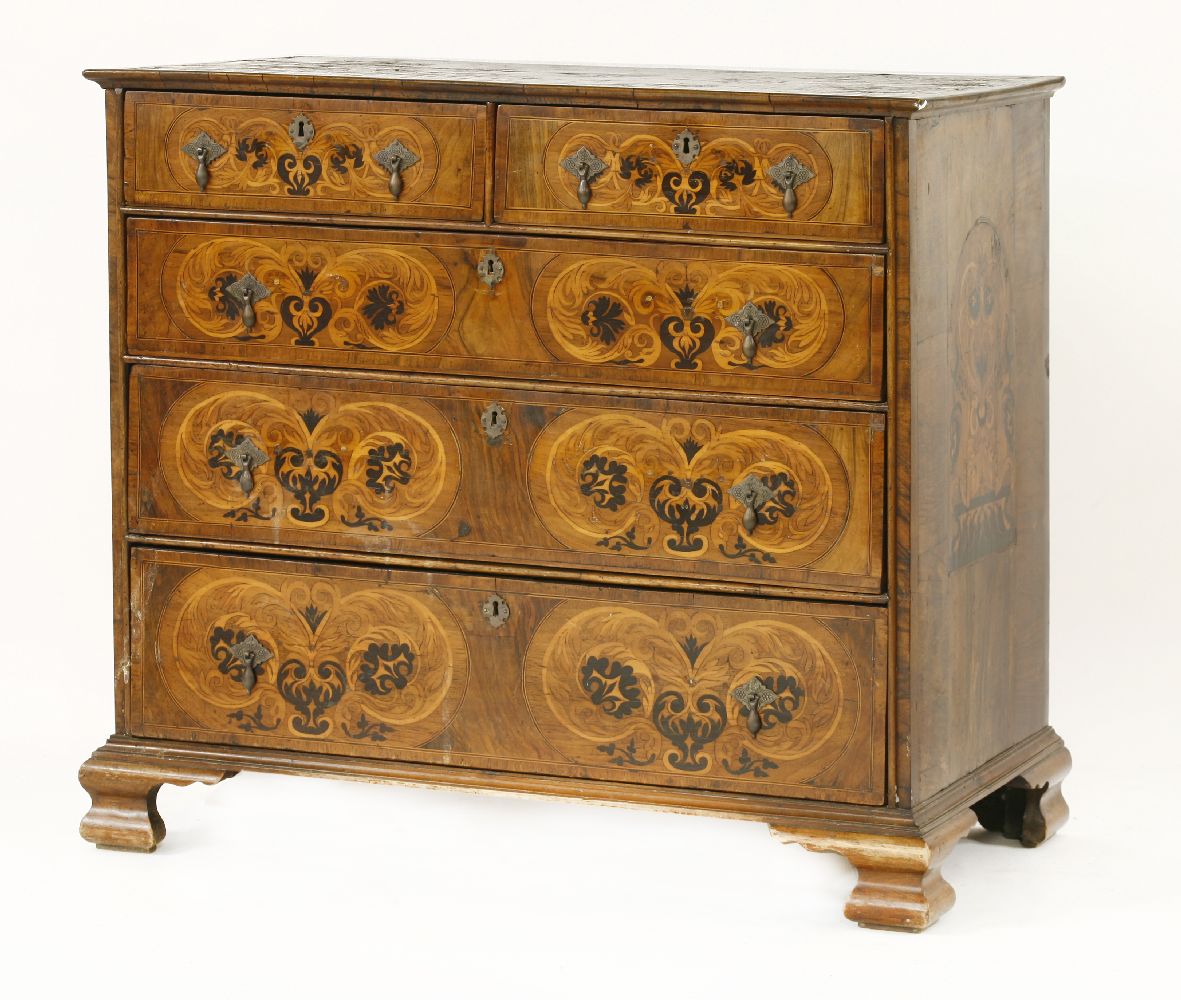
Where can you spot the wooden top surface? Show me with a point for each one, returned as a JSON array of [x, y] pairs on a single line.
[[620, 86]]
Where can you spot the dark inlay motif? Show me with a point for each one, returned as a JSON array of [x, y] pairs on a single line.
[[983, 504], [386, 667], [684, 189], [309, 476], [611, 685], [604, 480], [305, 314]]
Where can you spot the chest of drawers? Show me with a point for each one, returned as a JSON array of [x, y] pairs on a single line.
[[640, 436]]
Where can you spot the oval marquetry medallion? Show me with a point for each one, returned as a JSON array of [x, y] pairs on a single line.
[[672, 313], [317, 294], [670, 690], [306, 657], [632, 482], [303, 458]]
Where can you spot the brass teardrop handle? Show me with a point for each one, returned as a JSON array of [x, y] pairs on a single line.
[[788, 174], [252, 654], [395, 158], [245, 457], [752, 323], [752, 493], [246, 291], [202, 168], [204, 149], [752, 696], [584, 165]]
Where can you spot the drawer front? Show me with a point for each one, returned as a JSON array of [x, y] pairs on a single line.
[[761, 175], [483, 672], [643, 315], [743, 493], [279, 154]]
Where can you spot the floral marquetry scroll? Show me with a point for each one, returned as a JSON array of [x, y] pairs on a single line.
[[340, 296], [674, 486], [730, 175], [748, 174], [307, 459], [630, 311], [668, 691], [302, 657], [275, 154]]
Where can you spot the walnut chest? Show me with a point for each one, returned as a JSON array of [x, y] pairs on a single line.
[[652, 436]]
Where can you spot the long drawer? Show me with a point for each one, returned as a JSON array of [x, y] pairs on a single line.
[[746, 695], [306, 155], [753, 175], [547, 309], [676, 488]]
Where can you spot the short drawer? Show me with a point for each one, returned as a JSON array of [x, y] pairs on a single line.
[[723, 492], [713, 693], [543, 309], [281, 154], [761, 175]]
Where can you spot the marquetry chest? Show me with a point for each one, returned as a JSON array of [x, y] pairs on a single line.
[[649, 436]]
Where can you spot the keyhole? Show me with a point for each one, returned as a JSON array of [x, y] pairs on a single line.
[[301, 130], [496, 609], [685, 145], [495, 418]]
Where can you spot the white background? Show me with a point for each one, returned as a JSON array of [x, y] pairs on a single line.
[[272, 886]]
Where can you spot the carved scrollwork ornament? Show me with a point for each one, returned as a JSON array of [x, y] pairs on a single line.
[[586, 166]]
